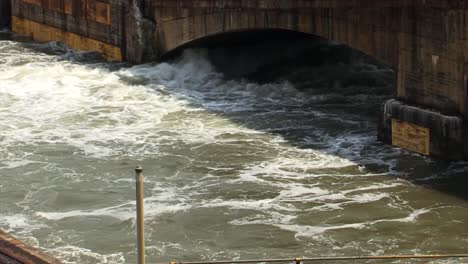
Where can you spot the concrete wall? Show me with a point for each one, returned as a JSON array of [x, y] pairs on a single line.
[[83, 24]]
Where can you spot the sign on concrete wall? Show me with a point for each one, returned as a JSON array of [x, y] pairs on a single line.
[[410, 136]]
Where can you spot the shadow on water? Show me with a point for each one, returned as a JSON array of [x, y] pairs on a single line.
[[343, 81]]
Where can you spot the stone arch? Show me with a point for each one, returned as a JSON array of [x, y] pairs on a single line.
[[180, 23]]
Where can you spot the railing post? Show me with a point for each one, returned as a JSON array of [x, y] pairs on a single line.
[[298, 260], [140, 215]]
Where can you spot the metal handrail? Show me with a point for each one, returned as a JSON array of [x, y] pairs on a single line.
[[339, 258], [141, 243]]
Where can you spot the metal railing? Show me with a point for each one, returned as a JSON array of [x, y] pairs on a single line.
[[140, 215], [342, 258], [141, 243]]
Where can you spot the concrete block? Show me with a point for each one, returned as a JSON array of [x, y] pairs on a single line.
[[445, 134]]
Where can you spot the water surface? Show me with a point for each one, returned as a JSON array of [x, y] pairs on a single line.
[[234, 169]]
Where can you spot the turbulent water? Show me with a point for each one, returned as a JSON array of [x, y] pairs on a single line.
[[234, 169]]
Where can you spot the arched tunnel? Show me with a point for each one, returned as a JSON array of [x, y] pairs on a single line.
[[265, 55]]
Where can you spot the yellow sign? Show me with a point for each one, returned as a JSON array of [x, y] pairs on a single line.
[[41, 32], [410, 136]]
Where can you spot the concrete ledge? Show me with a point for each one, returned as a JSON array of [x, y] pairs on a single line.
[[14, 251], [445, 134]]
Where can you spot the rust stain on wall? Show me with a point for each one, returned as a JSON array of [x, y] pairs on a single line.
[[41, 32], [410, 136]]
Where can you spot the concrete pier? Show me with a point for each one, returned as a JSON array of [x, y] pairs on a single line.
[[422, 130]]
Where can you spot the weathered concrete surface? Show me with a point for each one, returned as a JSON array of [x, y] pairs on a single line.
[[5, 13], [14, 251], [82, 24], [426, 41], [98, 20]]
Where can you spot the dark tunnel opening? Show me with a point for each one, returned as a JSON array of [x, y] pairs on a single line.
[[5, 13], [265, 56]]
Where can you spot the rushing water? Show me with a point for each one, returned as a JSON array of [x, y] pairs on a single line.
[[233, 169]]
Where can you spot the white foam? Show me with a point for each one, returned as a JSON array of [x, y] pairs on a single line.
[[18, 223], [260, 205], [97, 112], [102, 113], [73, 254], [311, 231], [135, 112], [116, 212], [412, 217], [123, 212], [11, 164], [301, 166], [11, 222], [287, 223]]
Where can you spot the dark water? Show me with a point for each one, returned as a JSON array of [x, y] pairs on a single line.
[[285, 164]]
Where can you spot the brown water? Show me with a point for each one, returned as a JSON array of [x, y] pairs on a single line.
[[233, 169]]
